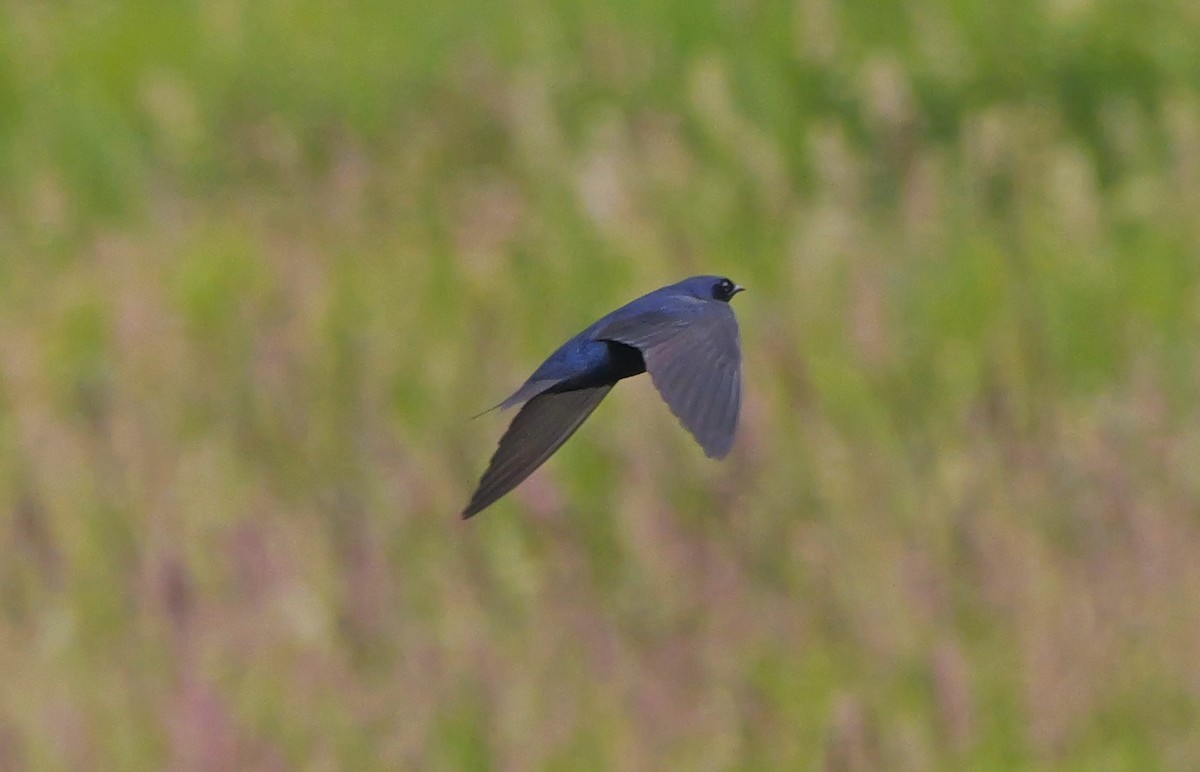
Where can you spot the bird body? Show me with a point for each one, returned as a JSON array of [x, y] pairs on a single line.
[[685, 334], [580, 362]]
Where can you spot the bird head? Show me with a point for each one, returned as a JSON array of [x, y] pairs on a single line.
[[710, 288]]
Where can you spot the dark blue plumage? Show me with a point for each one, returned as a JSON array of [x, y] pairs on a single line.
[[685, 334]]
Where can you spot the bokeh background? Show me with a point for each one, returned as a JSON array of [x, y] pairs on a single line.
[[260, 261]]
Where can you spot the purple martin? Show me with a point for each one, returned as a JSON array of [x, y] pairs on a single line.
[[684, 334]]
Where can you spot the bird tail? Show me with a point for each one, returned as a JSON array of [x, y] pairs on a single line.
[[527, 392]]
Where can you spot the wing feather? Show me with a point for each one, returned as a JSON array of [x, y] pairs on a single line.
[[540, 428], [694, 358]]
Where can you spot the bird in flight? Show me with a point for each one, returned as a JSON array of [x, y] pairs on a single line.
[[684, 334]]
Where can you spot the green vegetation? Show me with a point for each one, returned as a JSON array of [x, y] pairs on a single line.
[[260, 261]]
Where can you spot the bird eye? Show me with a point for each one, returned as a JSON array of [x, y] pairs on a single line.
[[723, 290]]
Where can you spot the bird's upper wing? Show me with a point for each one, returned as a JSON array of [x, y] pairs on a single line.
[[541, 426], [694, 358]]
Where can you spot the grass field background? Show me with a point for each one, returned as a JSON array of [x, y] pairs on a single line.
[[259, 262]]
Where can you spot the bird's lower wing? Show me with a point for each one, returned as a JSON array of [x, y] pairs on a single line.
[[694, 359], [539, 429]]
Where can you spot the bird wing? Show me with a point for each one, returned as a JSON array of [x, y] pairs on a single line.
[[694, 358], [539, 429]]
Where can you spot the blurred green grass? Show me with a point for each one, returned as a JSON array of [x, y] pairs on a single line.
[[261, 260]]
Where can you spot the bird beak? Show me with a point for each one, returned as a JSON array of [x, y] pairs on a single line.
[[736, 289]]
